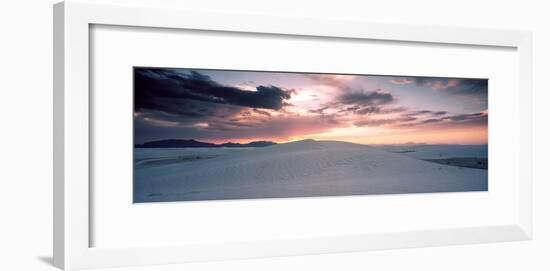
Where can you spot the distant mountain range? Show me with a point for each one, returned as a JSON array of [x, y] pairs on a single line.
[[191, 143]]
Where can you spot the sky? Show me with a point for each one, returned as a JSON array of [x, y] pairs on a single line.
[[221, 106]]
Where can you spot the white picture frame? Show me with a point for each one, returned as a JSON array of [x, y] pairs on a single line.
[[72, 20]]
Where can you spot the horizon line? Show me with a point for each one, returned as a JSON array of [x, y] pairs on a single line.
[[308, 139]]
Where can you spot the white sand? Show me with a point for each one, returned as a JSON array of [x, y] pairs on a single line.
[[301, 169], [438, 151]]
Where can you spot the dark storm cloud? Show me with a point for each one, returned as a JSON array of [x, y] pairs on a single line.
[[369, 110], [428, 121], [193, 112], [384, 122], [372, 110], [473, 119], [265, 113], [366, 98], [171, 104], [465, 87], [464, 117], [359, 102], [174, 92], [419, 119], [350, 109], [426, 112], [318, 110], [471, 87]]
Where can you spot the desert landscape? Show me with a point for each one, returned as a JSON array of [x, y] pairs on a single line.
[[306, 168], [209, 134]]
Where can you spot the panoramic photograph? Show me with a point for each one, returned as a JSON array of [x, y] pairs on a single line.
[[204, 134]]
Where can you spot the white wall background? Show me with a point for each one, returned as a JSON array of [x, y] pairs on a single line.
[[26, 133]]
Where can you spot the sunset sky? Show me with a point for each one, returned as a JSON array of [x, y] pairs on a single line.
[[240, 106]]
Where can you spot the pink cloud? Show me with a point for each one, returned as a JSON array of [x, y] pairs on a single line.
[[402, 81]]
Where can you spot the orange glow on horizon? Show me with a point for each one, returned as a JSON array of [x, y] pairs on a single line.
[[245, 106], [359, 135]]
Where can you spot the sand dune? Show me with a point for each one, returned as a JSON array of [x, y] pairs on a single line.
[[438, 151], [302, 169]]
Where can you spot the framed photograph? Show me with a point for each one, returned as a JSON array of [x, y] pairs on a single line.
[[225, 134], [188, 136]]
